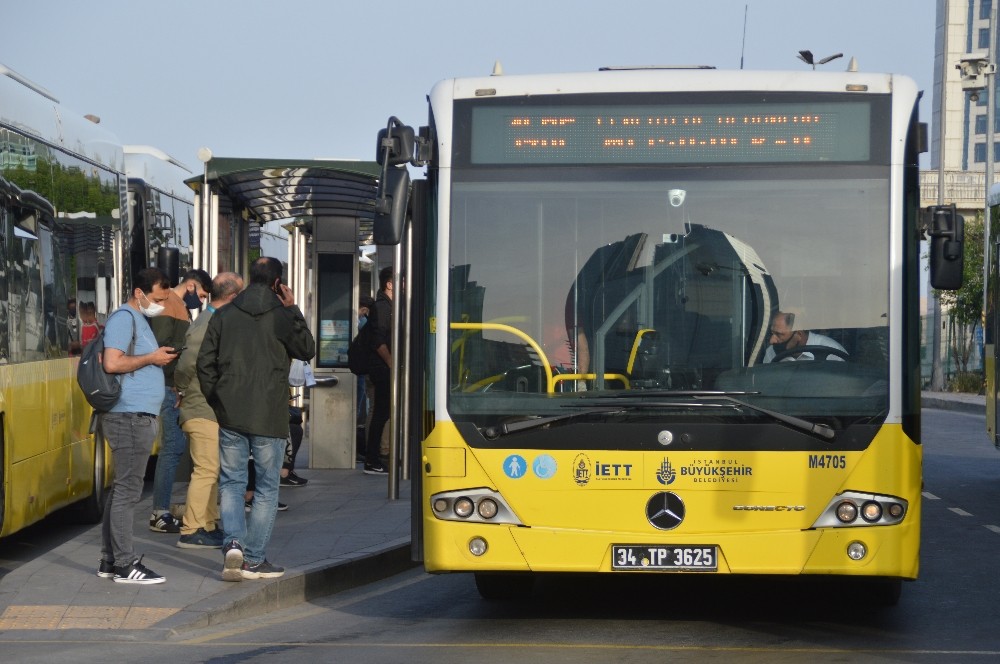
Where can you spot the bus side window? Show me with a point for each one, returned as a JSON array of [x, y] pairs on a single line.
[[25, 311], [5, 231]]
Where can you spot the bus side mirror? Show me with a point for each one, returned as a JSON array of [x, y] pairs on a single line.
[[390, 206], [946, 230], [395, 145], [168, 259]]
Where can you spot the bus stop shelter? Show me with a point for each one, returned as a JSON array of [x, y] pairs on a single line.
[[315, 215]]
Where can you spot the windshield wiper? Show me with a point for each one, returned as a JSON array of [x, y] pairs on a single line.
[[822, 430], [583, 410], [494, 432]]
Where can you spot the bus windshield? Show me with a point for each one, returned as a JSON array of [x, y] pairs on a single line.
[[569, 282]]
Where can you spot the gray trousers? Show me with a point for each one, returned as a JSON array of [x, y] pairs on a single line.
[[130, 437]]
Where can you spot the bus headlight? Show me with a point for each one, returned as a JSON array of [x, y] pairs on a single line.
[[871, 511], [479, 505], [847, 512], [874, 510], [464, 507], [488, 508]]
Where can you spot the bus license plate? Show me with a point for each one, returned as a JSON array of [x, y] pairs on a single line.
[[664, 557]]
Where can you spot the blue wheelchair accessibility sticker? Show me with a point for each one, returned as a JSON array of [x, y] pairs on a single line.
[[544, 466]]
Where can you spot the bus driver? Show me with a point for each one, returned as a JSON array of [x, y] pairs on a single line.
[[785, 338]]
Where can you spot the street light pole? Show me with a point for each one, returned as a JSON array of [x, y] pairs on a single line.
[[203, 230], [937, 379], [990, 153], [807, 57]]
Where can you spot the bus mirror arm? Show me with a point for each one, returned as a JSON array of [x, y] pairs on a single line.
[[396, 147], [946, 230]]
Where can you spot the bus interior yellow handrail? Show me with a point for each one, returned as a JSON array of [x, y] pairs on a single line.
[[498, 327]]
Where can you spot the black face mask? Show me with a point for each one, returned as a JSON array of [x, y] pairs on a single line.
[[779, 347], [191, 300]]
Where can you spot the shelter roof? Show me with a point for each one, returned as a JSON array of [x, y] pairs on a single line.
[[274, 189]]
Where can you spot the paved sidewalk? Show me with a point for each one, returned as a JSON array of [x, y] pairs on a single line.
[[340, 531]]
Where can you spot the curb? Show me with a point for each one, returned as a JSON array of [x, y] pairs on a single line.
[[320, 580], [956, 405]]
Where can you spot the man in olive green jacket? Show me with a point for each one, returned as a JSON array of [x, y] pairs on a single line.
[[199, 528]]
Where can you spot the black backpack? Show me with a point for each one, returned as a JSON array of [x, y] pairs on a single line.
[[101, 389], [359, 352]]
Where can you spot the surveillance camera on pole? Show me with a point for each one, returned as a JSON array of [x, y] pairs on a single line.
[[974, 69]]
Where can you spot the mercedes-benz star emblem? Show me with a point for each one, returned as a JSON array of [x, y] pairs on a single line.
[[665, 510]]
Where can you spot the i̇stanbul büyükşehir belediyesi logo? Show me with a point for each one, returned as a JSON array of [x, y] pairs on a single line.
[[666, 474]]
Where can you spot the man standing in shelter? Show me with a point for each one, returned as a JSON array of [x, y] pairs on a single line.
[[243, 370], [380, 317], [200, 526], [170, 329], [130, 349]]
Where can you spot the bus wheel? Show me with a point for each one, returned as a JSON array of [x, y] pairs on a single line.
[[91, 508], [501, 586]]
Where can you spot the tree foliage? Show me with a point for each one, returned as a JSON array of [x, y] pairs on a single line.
[[965, 305]]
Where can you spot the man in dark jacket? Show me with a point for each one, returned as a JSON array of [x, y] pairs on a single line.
[[243, 371], [380, 317]]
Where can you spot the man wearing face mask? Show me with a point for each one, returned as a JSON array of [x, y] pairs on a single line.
[[170, 330], [130, 349], [785, 337]]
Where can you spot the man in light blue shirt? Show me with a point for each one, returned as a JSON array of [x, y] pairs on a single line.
[[130, 349]]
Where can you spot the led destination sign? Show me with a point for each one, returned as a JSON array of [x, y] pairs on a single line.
[[672, 134]]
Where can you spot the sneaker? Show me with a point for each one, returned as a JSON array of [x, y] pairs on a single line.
[[262, 570], [248, 505], [106, 570], [233, 553], [377, 469], [201, 539], [137, 573], [293, 480], [164, 523]]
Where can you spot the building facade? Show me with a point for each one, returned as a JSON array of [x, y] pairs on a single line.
[[959, 120]]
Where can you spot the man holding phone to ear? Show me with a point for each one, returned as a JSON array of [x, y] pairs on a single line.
[[243, 368]]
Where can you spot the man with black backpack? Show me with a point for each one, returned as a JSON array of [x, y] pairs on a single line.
[[129, 426]]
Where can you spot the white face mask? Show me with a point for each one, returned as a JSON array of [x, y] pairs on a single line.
[[153, 310]]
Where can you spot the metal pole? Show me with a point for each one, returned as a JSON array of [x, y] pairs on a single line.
[[406, 357], [990, 154], [937, 380], [394, 391]]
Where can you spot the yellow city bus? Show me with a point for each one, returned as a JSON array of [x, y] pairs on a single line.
[[66, 240], [592, 376]]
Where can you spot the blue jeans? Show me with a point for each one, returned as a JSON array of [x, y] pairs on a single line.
[[173, 443], [252, 531], [130, 437]]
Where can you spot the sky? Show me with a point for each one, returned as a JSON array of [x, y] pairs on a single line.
[[307, 79]]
